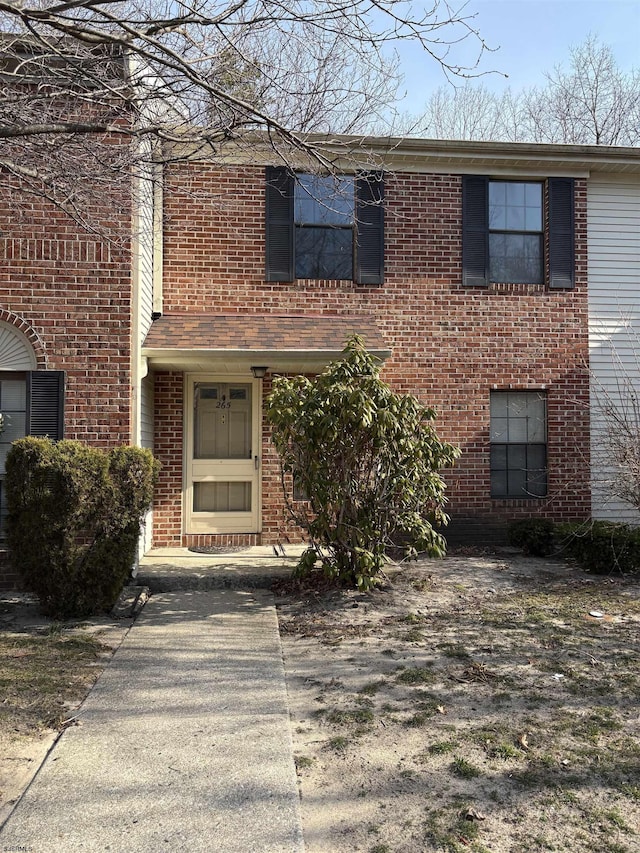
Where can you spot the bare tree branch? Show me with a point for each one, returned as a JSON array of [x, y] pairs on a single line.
[[80, 79], [592, 102]]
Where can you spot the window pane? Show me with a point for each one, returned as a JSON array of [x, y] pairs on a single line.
[[499, 404], [515, 218], [515, 258], [13, 395], [515, 193], [537, 470], [15, 427], [324, 200], [497, 216], [299, 491], [222, 497], [498, 193], [537, 427], [499, 484], [533, 219], [538, 485], [324, 253], [518, 429], [517, 404], [537, 457], [517, 457], [514, 247], [517, 483], [497, 246], [13, 405], [533, 195], [499, 457], [499, 429]]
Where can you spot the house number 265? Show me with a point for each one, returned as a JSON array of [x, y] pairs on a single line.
[[223, 404]]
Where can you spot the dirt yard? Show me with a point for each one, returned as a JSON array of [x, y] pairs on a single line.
[[479, 703]]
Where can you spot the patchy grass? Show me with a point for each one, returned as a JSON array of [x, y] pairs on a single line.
[[489, 691], [464, 769], [43, 674], [415, 675]]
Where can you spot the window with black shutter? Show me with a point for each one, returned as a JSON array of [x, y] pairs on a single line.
[[31, 403], [504, 240], [324, 227]]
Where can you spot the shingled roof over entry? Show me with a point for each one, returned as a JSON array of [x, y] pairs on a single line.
[[284, 342]]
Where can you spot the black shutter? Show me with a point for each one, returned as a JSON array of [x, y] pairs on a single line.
[[475, 231], [279, 225], [561, 233], [45, 403], [369, 229]]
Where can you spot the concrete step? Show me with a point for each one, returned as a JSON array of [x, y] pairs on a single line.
[[172, 569]]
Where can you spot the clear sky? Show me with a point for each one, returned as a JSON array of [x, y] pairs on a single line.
[[531, 37]]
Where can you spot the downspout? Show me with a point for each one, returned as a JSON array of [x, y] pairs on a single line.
[[158, 232]]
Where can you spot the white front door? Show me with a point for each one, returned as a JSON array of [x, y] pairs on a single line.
[[223, 449]]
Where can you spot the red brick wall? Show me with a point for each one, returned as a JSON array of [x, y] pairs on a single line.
[[167, 448], [450, 345], [69, 291]]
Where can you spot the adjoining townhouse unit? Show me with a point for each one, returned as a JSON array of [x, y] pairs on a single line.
[[464, 266], [613, 200]]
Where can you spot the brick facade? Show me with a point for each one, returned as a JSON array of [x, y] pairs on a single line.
[[451, 345], [69, 292]]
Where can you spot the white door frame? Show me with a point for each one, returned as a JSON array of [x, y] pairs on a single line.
[[217, 470]]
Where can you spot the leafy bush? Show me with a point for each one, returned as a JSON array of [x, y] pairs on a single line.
[[601, 547], [533, 535], [367, 461], [74, 518]]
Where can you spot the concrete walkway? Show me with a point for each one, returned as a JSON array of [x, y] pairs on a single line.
[[183, 744]]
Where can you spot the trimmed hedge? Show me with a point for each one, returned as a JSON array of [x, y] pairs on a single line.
[[74, 519], [534, 535], [599, 547]]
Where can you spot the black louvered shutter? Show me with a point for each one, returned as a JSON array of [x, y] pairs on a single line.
[[279, 225], [475, 231], [561, 233], [369, 229], [45, 403]]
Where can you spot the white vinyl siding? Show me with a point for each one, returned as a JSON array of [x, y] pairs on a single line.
[[614, 324], [146, 406], [145, 249], [146, 440]]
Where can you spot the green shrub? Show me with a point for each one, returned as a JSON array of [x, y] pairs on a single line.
[[601, 547], [74, 518], [368, 461], [533, 535]]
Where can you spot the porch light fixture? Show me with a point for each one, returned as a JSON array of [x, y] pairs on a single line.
[[259, 372]]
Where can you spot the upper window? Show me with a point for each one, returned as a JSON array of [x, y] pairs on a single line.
[[505, 238], [324, 226], [515, 232], [518, 444], [324, 209]]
